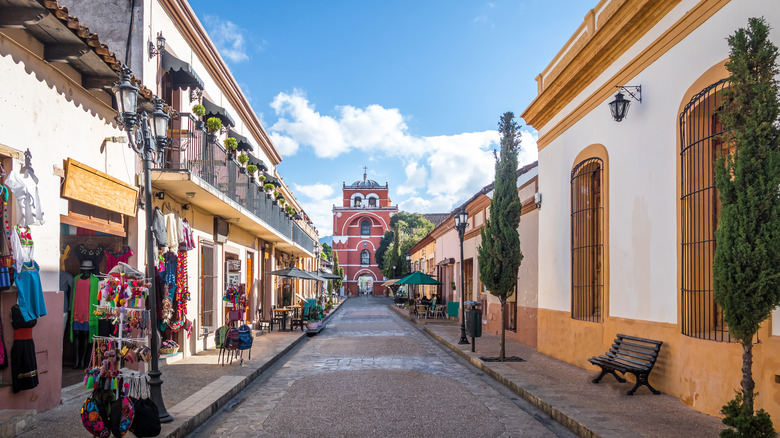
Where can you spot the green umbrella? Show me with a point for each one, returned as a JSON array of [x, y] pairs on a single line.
[[417, 278]]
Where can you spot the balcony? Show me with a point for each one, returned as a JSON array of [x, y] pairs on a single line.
[[197, 170]]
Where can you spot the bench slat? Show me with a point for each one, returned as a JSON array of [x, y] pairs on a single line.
[[639, 353], [649, 349], [641, 358], [634, 338], [623, 365]]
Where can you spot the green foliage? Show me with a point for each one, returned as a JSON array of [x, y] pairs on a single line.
[[746, 425], [199, 110], [406, 229], [746, 268], [327, 251], [268, 187], [337, 270], [243, 158], [330, 287], [316, 313], [286, 297], [251, 169], [281, 200], [213, 124], [499, 253], [262, 179]]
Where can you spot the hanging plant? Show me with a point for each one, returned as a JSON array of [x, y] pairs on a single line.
[[243, 158], [214, 124], [230, 143], [251, 168], [199, 110]]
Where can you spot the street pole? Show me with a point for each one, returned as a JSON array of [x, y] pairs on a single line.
[[155, 382], [461, 221]]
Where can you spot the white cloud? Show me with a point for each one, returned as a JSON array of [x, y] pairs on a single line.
[[318, 200], [440, 171], [228, 37]]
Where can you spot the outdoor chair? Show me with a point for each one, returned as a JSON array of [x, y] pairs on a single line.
[[421, 311], [296, 320], [437, 311]]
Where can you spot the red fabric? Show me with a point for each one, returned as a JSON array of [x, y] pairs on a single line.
[[21, 334]]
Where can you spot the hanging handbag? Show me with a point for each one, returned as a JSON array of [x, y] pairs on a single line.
[[146, 422]]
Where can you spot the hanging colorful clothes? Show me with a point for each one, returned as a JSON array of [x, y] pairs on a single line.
[[24, 367], [182, 293], [94, 255], [25, 191], [170, 274], [189, 238], [113, 258], [6, 259], [30, 294], [85, 295], [22, 246]]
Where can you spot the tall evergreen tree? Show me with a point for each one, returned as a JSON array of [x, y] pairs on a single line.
[[337, 270], [746, 270], [499, 253]]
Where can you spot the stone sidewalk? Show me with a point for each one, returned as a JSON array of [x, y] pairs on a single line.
[[193, 388], [565, 392]]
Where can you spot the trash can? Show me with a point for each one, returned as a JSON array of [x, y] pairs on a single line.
[[473, 318]]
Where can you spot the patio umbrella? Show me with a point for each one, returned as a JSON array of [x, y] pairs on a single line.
[[316, 276], [417, 278], [292, 272], [328, 275], [391, 282]]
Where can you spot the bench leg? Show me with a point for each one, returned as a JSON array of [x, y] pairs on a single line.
[[642, 380], [604, 372]]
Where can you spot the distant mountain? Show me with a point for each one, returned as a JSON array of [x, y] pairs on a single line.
[[328, 240]]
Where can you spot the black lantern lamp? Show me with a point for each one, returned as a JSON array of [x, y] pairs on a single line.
[[148, 141], [461, 222], [619, 106], [155, 50]]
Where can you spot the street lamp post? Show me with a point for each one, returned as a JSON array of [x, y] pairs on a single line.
[[148, 141], [461, 222], [408, 287]]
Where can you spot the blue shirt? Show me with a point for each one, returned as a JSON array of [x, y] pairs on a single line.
[[30, 295]]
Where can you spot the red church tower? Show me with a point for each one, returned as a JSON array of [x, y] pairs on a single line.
[[358, 226]]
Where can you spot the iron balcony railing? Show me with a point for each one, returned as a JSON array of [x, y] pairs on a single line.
[[193, 149]]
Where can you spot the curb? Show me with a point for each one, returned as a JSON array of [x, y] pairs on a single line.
[[554, 413], [191, 423]]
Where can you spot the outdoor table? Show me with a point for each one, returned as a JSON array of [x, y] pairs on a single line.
[[283, 312]]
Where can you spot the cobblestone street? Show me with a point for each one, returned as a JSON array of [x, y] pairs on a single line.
[[372, 373]]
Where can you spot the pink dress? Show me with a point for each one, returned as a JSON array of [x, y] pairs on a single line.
[[113, 258], [81, 304]]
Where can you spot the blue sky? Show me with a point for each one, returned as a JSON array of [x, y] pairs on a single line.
[[411, 89]]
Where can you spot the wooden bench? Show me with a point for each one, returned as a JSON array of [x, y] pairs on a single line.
[[629, 354]]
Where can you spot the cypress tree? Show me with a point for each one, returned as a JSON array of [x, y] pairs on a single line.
[[337, 270], [499, 252], [746, 270]]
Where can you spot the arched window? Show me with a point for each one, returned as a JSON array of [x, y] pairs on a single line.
[[372, 202], [358, 201], [587, 241], [365, 257], [700, 145], [365, 227]]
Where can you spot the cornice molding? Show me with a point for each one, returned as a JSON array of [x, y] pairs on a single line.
[[188, 24]]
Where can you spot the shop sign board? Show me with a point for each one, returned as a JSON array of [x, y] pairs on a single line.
[[91, 186]]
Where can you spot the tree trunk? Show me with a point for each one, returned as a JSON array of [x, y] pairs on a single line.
[[748, 385], [502, 349]]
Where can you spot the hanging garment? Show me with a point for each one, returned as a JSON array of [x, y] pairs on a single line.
[[6, 259], [22, 246], [3, 354], [85, 295], [189, 238], [172, 228], [158, 228], [25, 191], [94, 255], [30, 293], [66, 287], [113, 258], [24, 367]]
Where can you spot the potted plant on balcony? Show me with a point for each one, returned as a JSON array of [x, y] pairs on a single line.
[[269, 189], [200, 111], [251, 169], [213, 125], [243, 159], [276, 197], [230, 145], [262, 179]]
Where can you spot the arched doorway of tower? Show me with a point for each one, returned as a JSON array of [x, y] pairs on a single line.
[[365, 284]]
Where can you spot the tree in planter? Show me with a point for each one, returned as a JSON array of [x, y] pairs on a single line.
[[199, 110], [261, 178], [252, 168], [746, 268], [213, 125], [243, 158], [269, 188], [499, 253]]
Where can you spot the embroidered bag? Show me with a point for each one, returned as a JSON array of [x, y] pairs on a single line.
[[231, 341]]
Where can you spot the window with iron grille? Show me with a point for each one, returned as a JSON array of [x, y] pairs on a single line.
[[587, 241], [365, 257], [700, 147], [365, 227]]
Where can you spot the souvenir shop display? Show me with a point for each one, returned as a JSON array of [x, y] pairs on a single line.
[[84, 322], [121, 297], [113, 258]]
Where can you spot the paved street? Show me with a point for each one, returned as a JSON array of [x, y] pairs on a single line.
[[372, 373]]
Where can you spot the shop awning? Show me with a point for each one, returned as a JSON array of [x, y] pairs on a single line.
[[257, 162], [182, 74], [272, 180], [243, 143], [214, 110]]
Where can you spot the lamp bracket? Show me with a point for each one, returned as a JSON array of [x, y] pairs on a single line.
[[636, 94]]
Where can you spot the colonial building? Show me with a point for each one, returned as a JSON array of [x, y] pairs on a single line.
[[358, 226], [630, 206]]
